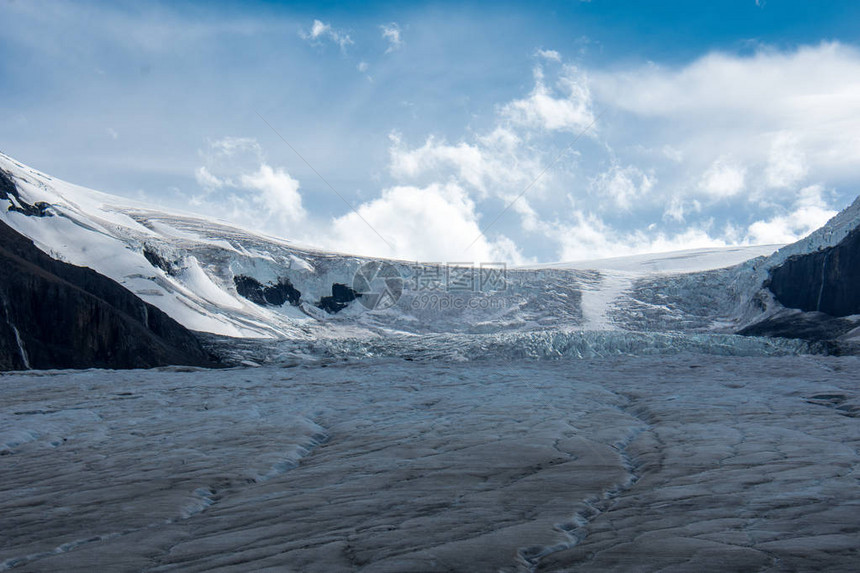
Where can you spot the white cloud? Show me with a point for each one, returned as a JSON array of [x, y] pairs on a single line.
[[206, 180], [233, 146], [623, 185], [567, 108], [466, 160], [433, 223], [589, 237], [225, 159], [724, 178], [672, 153], [786, 164], [391, 33], [809, 212], [493, 164], [753, 129], [550, 55], [238, 184], [318, 29], [732, 137], [278, 193], [321, 32], [677, 209], [723, 103], [496, 165], [362, 67]]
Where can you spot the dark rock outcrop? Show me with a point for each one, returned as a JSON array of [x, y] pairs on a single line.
[[57, 315], [341, 295], [158, 261], [821, 295], [803, 325], [272, 294], [825, 281], [9, 192]]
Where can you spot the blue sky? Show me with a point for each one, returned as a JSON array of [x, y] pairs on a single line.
[[631, 126]]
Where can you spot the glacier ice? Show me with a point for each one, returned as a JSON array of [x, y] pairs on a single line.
[[601, 464]]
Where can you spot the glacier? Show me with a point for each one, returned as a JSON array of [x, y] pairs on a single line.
[[649, 463]]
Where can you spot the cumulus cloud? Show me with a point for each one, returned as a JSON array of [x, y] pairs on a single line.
[[724, 178], [278, 193], [492, 163], [809, 212], [391, 33], [622, 185], [692, 150], [677, 208], [321, 32], [565, 107], [725, 103], [318, 29], [237, 183], [587, 236], [465, 159], [432, 223], [786, 163], [206, 180]]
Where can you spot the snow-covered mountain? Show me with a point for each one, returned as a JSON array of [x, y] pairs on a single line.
[[216, 278]]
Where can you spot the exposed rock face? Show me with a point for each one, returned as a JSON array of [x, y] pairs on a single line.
[[341, 295], [825, 281], [9, 191], [57, 315], [273, 294], [158, 261], [820, 291], [803, 325]]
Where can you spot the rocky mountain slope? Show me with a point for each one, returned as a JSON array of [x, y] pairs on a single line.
[[56, 315], [823, 281], [816, 294]]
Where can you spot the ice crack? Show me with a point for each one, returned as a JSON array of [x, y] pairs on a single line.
[[576, 529]]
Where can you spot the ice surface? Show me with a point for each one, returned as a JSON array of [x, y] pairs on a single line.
[[506, 347], [670, 463]]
